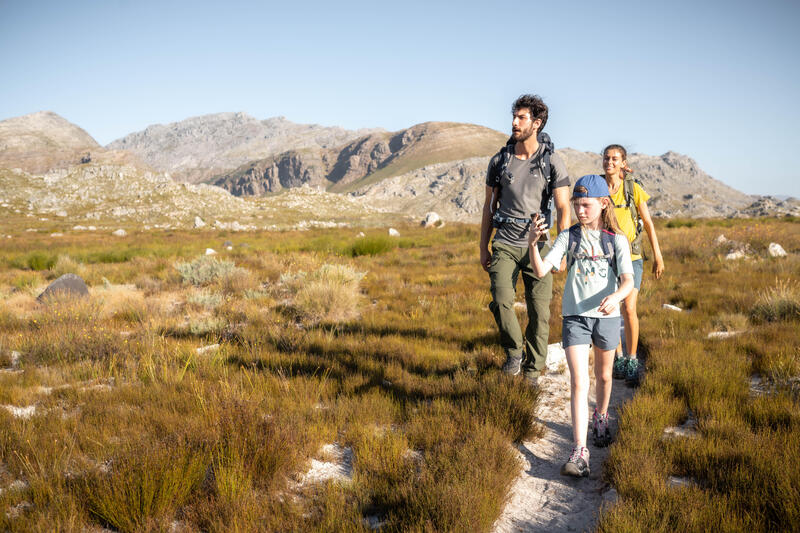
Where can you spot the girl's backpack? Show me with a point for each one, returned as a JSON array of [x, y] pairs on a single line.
[[606, 245]]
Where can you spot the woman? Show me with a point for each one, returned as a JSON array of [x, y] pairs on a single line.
[[630, 208]]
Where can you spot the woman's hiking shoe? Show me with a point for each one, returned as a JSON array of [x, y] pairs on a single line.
[[512, 364], [578, 464], [600, 429], [620, 367], [633, 372]]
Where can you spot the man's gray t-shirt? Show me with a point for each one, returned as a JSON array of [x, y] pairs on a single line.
[[521, 189], [589, 281]]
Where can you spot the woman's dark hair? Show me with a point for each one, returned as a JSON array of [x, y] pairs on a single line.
[[626, 169], [534, 103]]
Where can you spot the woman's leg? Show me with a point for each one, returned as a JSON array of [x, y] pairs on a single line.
[[628, 309], [603, 363], [578, 362]]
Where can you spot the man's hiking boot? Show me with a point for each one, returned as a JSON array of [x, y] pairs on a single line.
[[512, 364], [633, 373], [600, 430], [620, 367], [578, 464], [531, 378]]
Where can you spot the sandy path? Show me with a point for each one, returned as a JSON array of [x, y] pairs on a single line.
[[541, 499]]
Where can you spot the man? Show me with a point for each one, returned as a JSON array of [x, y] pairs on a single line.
[[520, 180]]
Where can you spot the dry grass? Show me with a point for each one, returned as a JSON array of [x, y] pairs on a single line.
[[740, 469], [400, 364], [393, 355]]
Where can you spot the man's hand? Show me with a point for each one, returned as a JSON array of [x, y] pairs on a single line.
[[486, 258]]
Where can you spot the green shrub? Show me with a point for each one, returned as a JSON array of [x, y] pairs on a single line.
[[373, 245], [781, 302], [146, 483], [677, 223], [204, 270], [35, 261]]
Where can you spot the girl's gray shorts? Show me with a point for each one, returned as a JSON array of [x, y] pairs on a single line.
[[601, 332]]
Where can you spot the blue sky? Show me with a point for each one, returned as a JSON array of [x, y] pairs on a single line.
[[717, 81]]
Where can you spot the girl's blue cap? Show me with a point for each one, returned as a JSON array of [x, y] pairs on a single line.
[[596, 187]]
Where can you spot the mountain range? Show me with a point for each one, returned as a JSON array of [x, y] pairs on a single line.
[[434, 166]]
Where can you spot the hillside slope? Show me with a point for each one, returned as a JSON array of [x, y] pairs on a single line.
[[44, 140], [368, 159], [198, 148]]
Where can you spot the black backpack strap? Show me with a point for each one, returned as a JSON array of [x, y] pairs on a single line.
[[607, 244], [547, 172], [573, 244]]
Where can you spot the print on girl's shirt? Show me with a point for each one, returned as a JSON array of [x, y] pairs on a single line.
[[597, 269]]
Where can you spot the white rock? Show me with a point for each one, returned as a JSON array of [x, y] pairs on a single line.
[[671, 307], [207, 349], [719, 241], [393, 232], [776, 250], [92, 228], [210, 251], [722, 334], [56, 234], [120, 233], [556, 357], [198, 222], [21, 412], [734, 255], [431, 218], [61, 214]]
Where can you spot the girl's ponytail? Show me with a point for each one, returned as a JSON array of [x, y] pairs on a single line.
[[610, 218]]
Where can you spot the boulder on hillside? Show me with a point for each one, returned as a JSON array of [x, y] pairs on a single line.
[[70, 285], [431, 220], [198, 222], [393, 232]]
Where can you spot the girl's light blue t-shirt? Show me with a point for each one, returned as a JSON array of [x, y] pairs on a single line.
[[588, 281]]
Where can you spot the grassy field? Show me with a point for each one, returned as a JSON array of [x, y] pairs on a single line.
[[386, 348]]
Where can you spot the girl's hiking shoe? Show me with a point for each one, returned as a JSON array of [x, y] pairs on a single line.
[[600, 430], [633, 372], [620, 367], [578, 464]]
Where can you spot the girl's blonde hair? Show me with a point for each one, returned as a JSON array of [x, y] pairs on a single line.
[[608, 217]]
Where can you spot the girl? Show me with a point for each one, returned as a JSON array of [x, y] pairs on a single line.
[[596, 255], [629, 204]]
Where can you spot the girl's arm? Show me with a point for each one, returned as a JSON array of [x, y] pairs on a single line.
[[612, 301], [538, 229], [658, 261]]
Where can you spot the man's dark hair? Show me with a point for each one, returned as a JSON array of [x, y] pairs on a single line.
[[534, 103]]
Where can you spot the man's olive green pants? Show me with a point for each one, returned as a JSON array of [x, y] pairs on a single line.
[[507, 263]]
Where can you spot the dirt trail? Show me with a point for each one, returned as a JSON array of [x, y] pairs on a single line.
[[541, 499]]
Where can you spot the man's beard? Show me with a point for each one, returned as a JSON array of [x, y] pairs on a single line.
[[522, 136]]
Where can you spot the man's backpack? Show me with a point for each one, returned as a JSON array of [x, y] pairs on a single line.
[[628, 189], [606, 245], [507, 152]]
